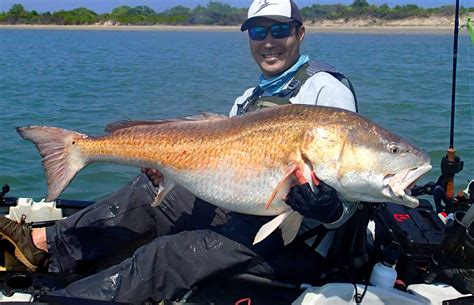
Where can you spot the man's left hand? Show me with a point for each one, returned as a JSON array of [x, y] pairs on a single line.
[[321, 204]]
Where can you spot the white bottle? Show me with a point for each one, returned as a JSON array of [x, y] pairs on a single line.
[[383, 275]]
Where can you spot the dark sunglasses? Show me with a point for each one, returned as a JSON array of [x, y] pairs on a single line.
[[279, 30]]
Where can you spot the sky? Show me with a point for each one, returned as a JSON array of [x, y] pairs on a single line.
[[106, 6]]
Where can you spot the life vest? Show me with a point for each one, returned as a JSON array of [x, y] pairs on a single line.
[[257, 101]]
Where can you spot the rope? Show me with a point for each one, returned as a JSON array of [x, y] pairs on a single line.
[[241, 301], [358, 297]]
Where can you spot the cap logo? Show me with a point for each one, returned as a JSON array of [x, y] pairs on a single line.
[[263, 5]]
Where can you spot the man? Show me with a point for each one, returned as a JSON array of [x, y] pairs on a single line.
[[135, 252]]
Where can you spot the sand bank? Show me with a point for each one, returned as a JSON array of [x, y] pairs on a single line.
[[438, 25]]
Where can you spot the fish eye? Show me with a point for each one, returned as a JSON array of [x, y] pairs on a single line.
[[394, 149]]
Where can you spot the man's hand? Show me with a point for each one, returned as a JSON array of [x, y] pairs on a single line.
[[154, 175], [322, 204]]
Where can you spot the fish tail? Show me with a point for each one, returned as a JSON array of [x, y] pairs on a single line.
[[61, 156]]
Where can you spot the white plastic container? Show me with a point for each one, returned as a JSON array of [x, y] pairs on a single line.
[[343, 294], [35, 211], [435, 293], [383, 276], [17, 297]]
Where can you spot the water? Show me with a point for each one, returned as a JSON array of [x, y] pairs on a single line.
[[83, 80]]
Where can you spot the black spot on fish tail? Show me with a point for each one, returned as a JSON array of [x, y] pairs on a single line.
[[61, 161]]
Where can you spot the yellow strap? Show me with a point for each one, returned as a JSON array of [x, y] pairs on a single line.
[[469, 29]]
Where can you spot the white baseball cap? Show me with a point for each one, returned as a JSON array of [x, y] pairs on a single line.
[[278, 10]]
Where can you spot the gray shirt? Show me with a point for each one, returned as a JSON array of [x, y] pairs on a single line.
[[321, 89]]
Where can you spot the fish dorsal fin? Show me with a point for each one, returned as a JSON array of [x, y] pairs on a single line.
[[163, 190], [127, 124], [205, 116], [212, 116]]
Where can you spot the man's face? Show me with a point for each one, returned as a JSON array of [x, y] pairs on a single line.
[[276, 55]]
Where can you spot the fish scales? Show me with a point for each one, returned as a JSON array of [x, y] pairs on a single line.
[[200, 145], [224, 156], [220, 157]]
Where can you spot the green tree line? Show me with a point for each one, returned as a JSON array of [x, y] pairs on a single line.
[[215, 13]]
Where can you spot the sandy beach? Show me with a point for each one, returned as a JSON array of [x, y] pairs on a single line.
[[438, 25]]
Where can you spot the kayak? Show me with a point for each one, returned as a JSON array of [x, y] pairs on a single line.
[[376, 277]]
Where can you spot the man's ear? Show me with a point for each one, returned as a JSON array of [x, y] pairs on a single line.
[[301, 33]]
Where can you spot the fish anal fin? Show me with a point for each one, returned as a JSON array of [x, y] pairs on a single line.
[[163, 191]]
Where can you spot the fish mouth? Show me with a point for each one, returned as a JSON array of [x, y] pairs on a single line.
[[396, 187]]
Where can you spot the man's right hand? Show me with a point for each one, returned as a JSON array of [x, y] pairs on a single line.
[[154, 175]]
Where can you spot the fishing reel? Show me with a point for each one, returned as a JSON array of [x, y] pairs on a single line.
[[466, 196], [442, 190]]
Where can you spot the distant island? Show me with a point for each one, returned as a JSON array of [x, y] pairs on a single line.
[[359, 13]]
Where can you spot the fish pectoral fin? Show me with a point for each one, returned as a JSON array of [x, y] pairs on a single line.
[[289, 175], [164, 189], [289, 223], [269, 227]]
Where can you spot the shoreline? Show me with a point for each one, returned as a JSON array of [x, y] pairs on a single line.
[[372, 25], [311, 28]]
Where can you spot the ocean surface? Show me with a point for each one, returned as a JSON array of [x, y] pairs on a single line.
[[83, 80]]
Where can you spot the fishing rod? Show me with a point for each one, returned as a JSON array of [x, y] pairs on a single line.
[[454, 257], [452, 164]]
